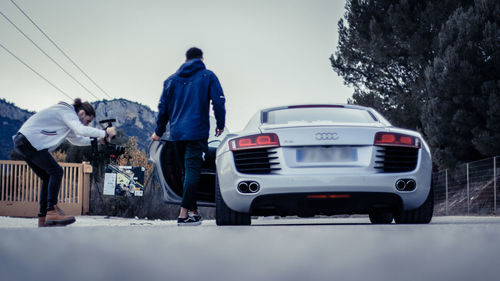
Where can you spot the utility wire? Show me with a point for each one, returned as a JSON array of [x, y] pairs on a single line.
[[41, 50], [54, 43], [40, 75]]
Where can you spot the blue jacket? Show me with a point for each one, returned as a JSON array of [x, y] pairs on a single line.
[[185, 103]]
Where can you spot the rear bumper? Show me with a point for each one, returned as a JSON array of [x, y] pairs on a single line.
[[307, 204], [358, 185]]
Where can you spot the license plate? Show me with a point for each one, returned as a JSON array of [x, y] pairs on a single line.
[[326, 154]]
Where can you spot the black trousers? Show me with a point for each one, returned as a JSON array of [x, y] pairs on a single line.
[[45, 167], [191, 152]]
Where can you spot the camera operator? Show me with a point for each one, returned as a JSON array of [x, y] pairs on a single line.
[[43, 133]]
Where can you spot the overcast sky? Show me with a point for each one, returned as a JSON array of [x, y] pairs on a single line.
[[265, 52]]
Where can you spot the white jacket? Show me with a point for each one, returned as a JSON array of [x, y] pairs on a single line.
[[50, 127]]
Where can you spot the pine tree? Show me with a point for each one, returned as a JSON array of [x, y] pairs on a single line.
[[462, 115], [384, 47]]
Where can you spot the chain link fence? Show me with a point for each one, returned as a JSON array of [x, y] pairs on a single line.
[[469, 189]]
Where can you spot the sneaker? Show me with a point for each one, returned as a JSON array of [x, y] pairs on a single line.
[[195, 214], [188, 221]]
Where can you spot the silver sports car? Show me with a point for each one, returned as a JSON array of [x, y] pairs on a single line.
[[307, 160]]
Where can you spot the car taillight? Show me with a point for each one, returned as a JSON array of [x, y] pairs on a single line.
[[395, 139], [254, 141]]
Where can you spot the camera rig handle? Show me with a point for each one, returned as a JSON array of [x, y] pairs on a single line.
[[107, 123]]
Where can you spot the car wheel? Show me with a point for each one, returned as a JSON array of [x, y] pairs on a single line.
[[224, 215], [421, 215], [380, 216]]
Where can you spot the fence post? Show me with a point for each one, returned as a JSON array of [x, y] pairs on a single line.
[[495, 185], [468, 191], [87, 170], [446, 191]]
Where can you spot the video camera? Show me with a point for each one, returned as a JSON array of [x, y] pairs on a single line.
[[108, 150]]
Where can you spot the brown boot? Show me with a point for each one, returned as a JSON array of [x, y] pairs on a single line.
[[57, 217], [41, 222]]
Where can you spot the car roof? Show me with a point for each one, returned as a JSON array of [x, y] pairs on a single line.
[[377, 116], [352, 106]]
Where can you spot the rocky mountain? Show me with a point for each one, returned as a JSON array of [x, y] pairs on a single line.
[[11, 119], [13, 112], [132, 118]]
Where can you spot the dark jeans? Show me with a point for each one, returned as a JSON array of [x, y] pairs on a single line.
[[44, 166], [192, 152]]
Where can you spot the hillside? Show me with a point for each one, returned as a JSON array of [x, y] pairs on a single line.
[[133, 118], [11, 118]]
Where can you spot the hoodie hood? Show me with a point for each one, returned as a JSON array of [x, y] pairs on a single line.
[[189, 68]]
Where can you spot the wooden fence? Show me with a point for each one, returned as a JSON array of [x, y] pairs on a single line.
[[20, 189]]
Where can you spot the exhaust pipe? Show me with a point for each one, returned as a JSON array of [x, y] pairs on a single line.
[[410, 185], [248, 187], [243, 187], [254, 187], [406, 185], [400, 185]]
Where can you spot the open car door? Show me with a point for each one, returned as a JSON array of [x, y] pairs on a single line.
[[169, 169]]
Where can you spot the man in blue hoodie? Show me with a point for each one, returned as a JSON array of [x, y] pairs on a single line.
[[185, 103]]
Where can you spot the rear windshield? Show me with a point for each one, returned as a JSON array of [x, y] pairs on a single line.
[[318, 114]]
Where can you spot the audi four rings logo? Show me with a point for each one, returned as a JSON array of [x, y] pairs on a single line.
[[326, 136]]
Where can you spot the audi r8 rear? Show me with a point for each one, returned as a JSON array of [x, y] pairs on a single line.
[[308, 160]]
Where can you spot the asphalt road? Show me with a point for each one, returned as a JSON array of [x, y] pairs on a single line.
[[450, 248]]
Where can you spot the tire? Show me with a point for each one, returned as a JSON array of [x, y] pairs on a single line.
[[380, 216], [421, 215], [224, 215]]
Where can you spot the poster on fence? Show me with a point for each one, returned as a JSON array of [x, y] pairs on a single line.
[[124, 180], [109, 183]]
